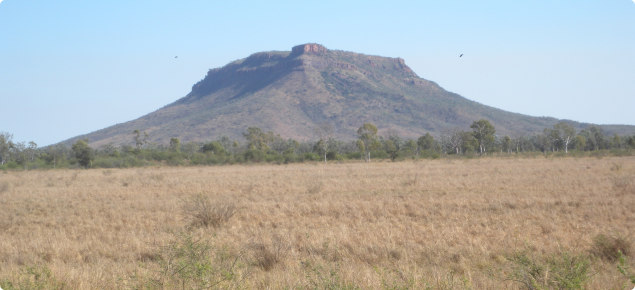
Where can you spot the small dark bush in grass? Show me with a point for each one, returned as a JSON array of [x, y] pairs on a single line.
[[268, 255], [609, 247], [202, 212]]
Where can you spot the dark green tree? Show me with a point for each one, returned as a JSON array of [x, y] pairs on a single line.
[[175, 145], [215, 147], [426, 142], [631, 142], [391, 149], [83, 153]]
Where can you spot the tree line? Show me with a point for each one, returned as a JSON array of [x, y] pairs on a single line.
[[260, 146]]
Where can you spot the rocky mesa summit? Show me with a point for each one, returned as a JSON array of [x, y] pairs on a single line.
[[290, 92]]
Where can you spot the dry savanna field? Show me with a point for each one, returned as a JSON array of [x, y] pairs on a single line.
[[482, 223]]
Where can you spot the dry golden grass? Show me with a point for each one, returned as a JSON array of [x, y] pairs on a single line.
[[369, 222]]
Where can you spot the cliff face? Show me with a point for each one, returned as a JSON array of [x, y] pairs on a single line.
[[309, 48], [290, 92]]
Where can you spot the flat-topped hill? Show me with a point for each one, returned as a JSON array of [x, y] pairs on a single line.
[[289, 92]]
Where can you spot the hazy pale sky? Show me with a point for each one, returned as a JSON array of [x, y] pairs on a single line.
[[73, 67]]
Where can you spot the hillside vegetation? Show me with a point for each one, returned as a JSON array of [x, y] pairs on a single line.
[[292, 92]]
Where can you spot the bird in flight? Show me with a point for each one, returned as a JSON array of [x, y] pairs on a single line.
[[178, 56], [461, 55]]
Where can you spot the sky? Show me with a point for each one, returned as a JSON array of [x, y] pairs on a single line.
[[72, 67]]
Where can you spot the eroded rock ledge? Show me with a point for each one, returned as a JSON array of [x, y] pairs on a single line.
[[309, 48]]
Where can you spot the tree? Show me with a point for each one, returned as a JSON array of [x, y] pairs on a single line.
[[175, 145], [507, 144], [617, 141], [324, 132], [191, 148], [393, 135], [235, 146], [276, 142], [484, 133], [544, 141], [566, 133], [411, 145], [54, 153], [214, 147], [453, 139], [598, 137], [391, 149], [367, 133], [5, 147], [83, 152], [361, 147], [426, 142], [20, 154], [139, 141], [256, 139], [631, 142], [469, 143], [31, 150], [579, 142]]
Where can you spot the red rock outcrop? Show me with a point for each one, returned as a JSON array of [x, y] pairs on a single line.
[[309, 48]]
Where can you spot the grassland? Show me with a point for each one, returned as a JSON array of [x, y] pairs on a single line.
[[446, 224]]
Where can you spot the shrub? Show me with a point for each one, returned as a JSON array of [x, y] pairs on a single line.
[[202, 212], [268, 255], [610, 247], [312, 157], [332, 155], [624, 269], [560, 271], [187, 263], [254, 155], [33, 277]]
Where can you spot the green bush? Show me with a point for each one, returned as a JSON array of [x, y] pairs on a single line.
[[379, 154], [312, 157], [254, 155], [332, 155], [560, 271], [189, 263], [354, 156], [33, 278], [624, 269]]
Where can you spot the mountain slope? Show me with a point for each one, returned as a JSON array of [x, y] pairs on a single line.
[[290, 92]]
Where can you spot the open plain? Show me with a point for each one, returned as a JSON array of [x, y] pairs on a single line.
[[442, 224]]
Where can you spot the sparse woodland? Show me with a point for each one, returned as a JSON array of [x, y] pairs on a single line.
[[268, 147]]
